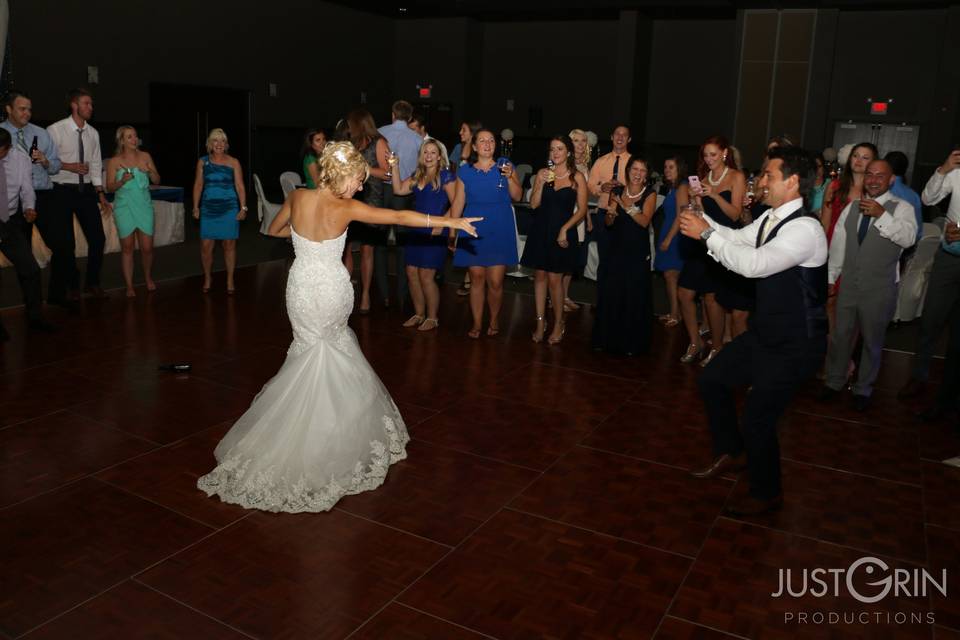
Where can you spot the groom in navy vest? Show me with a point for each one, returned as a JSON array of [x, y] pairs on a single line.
[[785, 251]]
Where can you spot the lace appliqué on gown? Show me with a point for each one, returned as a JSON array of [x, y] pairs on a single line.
[[324, 426], [263, 490]]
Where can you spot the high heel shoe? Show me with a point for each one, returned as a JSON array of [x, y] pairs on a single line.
[[563, 329], [710, 356], [538, 334], [692, 355]]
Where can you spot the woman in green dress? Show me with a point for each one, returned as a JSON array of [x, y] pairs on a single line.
[[313, 143], [129, 174]]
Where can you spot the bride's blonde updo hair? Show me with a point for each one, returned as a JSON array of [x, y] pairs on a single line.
[[339, 162]]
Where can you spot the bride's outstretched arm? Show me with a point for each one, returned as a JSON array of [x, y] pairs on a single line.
[[280, 227], [371, 215]]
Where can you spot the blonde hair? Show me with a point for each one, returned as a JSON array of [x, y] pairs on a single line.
[[589, 153], [119, 138], [339, 162], [217, 134], [421, 171]]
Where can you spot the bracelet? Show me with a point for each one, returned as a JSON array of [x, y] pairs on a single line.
[[428, 219]]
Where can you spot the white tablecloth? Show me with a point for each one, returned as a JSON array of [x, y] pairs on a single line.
[[167, 229]]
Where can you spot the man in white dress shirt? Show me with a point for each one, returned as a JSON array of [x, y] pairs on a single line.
[[17, 212], [942, 302], [785, 251], [868, 240], [79, 185]]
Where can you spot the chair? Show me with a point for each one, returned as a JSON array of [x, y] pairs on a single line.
[[519, 271], [916, 277], [523, 170], [266, 210], [289, 180]]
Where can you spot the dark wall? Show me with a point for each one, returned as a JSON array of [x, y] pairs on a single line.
[[214, 42], [693, 81]]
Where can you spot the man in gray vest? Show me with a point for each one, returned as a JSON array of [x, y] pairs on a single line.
[[867, 242]]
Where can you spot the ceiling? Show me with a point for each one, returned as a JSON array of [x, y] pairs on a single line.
[[582, 9]]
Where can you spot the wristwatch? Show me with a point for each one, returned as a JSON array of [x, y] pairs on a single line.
[[706, 233], [244, 208]]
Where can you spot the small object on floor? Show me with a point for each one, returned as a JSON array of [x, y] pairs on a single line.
[[722, 464], [41, 325], [912, 389], [570, 305], [751, 506], [473, 334], [464, 289], [96, 293], [414, 321], [671, 321], [176, 368], [953, 462], [861, 403]]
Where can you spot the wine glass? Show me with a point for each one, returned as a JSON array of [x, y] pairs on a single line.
[[502, 168], [391, 160], [551, 172]]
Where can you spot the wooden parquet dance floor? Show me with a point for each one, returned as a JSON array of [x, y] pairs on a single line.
[[546, 493]]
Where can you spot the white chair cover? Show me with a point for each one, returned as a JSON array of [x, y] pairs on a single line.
[[916, 276], [266, 211], [288, 182]]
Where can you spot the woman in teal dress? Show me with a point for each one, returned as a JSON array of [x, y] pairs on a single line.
[[313, 143], [219, 203], [129, 175]]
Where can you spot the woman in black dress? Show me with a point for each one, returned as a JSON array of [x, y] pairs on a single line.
[[559, 201], [624, 319]]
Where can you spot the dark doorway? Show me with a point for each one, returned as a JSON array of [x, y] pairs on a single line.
[[439, 119], [181, 116]]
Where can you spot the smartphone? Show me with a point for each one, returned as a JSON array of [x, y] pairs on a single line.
[[695, 186]]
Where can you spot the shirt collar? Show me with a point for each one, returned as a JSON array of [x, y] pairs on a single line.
[[786, 209], [884, 197]]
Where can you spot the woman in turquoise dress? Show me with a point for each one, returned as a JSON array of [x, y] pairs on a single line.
[[484, 188], [129, 175], [220, 203]]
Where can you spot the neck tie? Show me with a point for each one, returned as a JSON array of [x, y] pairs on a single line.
[[80, 151], [616, 168], [770, 225], [4, 200], [21, 142], [864, 226]]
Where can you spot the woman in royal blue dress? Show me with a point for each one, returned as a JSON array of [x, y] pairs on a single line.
[[559, 203], [669, 260], [425, 250], [487, 185], [219, 203]]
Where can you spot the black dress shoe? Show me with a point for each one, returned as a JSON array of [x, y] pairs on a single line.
[[912, 389], [721, 465], [861, 403], [40, 325], [827, 394], [750, 506]]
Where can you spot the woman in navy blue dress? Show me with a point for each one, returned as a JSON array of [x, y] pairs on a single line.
[[669, 262], [425, 250], [485, 187], [559, 203], [220, 203]]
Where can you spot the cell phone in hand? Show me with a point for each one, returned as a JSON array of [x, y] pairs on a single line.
[[695, 186], [617, 190]]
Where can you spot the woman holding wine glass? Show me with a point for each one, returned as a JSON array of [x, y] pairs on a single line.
[[459, 156], [559, 203], [486, 184]]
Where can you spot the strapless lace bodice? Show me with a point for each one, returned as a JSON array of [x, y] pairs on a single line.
[[319, 293]]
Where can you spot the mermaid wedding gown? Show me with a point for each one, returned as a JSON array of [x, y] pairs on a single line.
[[324, 426]]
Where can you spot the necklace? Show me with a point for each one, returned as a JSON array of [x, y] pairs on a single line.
[[559, 177], [633, 195], [713, 182]]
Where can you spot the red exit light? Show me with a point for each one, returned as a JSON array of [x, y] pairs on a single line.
[[426, 91], [878, 108]]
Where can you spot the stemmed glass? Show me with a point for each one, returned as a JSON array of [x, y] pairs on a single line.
[[391, 160], [501, 167], [551, 172]]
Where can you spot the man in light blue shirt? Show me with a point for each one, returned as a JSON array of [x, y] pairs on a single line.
[[899, 162], [404, 142], [55, 226]]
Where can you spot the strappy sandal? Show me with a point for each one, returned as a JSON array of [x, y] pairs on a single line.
[[414, 321], [671, 321], [539, 338], [429, 324], [563, 329]]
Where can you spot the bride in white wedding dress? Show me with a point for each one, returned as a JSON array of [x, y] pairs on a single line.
[[324, 426]]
